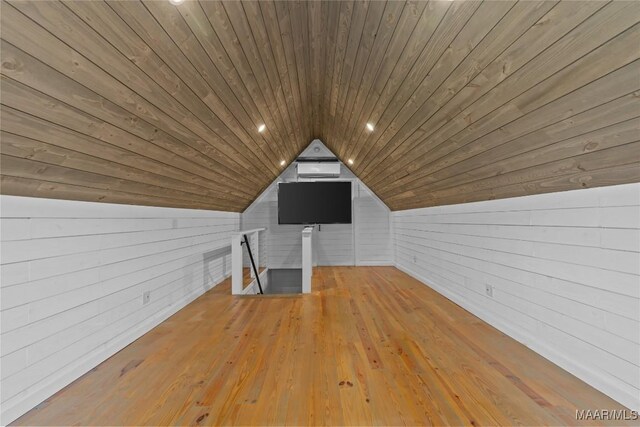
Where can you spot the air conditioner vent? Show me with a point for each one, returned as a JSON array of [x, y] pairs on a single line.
[[318, 169]]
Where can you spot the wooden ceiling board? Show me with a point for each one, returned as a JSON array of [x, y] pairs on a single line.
[[536, 76], [396, 26], [145, 102], [533, 41], [101, 57], [394, 70], [444, 82], [35, 88]]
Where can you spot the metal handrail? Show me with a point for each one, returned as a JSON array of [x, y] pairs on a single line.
[[253, 264]]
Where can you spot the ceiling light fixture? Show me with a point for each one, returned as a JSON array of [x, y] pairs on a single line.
[[350, 161], [176, 2], [370, 127], [282, 162], [261, 128]]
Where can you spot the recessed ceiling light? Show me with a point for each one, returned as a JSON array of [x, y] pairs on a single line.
[[261, 128], [350, 161], [282, 162], [370, 127], [176, 2]]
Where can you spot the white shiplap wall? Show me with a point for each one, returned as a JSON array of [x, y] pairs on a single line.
[[280, 245], [365, 242], [564, 268], [72, 279], [372, 228]]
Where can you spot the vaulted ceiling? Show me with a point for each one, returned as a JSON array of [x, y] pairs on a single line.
[[151, 103]]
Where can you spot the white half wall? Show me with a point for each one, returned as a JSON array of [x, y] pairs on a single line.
[[365, 242], [73, 275], [564, 270]]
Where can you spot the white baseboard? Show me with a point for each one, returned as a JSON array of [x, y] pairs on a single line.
[[596, 380], [374, 264], [72, 372]]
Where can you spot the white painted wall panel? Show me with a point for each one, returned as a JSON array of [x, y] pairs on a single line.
[[565, 272], [73, 276], [365, 242], [333, 245], [372, 228]]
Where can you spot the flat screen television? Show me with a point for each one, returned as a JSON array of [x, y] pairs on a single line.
[[314, 202]]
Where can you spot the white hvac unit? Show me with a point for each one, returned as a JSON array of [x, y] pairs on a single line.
[[324, 169]]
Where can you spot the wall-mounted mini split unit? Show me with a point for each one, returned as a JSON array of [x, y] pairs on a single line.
[[318, 167]]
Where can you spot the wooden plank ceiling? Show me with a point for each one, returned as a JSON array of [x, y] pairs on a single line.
[[150, 103]]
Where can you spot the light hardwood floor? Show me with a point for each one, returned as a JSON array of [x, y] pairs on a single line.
[[370, 346]]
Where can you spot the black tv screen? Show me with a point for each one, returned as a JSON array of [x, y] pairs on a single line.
[[314, 202]]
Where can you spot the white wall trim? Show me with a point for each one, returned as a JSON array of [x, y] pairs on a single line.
[[375, 264]]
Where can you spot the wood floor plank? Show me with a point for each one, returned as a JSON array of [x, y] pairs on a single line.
[[369, 346]]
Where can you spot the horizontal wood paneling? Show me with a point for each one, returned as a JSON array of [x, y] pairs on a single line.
[[564, 268], [469, 100], [72, 279]]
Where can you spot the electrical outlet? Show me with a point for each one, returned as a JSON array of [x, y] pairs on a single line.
[[488, 290], [146, 297]]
